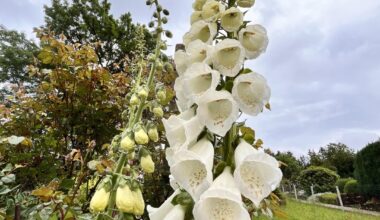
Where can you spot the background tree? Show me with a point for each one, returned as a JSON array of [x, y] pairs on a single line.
[[336, 157], [293, 166], [16, 53], [89, 21]]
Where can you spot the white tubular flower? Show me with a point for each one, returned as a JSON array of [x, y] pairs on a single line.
[[245, 3], [232, 19], [251, 92], [254, 39], [173, 183], [228, 57], [199, 52], [182, 99], [221, 201], [199, 79], [176, 213], [182, 130], [257, 173], [198, 4], [212, 10], [180, 60], [192, 169], [164, 209], [200, 30], [217, 110], [195, 16]]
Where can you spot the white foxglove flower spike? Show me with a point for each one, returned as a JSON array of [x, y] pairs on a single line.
[[201, 30], [199, 79], [212, 10], [182, 130], [199, 52], [180, 60], [195, 16], [192, 168], [198, 5], [257, 173], [221, 201], [165, 208], [254, 39], [228, 57], [183, 101], [251, 92], [217, 110], [232, 19]]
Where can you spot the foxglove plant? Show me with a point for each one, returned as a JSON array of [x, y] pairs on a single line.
[[206, 141]]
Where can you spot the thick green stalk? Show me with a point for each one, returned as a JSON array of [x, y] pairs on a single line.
[[136, 118]]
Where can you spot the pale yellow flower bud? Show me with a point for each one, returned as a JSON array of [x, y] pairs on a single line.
[[134, 100], [245, 3], [127, 143], [139, 205], [147, 164], [161, 95], [99, 201], [125, 199], [141, 137], [142, 93], [153, 134], [158, 112]]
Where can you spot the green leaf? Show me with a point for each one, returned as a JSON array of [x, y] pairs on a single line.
[[10, 178], [67, 184], [245, 71]]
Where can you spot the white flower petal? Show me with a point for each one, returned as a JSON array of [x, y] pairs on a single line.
[[199, 52], [228, 57], [212, 10], [183, 101], [251, 92], [198, 4], [176, 213], [221, 201], [164, 209], [199, 79], [254, 39], [257, 174], [192, 169], [183, 129], [200, 30], [217, 110], [180, 60], [195, 16], [232, 19]]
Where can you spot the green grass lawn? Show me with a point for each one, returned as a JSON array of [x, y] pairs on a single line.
[[300, 211]]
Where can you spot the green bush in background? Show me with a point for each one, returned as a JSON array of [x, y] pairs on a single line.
[[351, 187], [321, 178], [342, 182], [367, 169], [329, 198]]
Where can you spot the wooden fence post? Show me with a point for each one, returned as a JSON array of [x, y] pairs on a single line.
[[282, 186], [339, 197], [312, 189], [295, 191]]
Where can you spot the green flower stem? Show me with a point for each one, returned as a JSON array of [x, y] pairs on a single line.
[[231, 3], [228, 147], [135, 118]]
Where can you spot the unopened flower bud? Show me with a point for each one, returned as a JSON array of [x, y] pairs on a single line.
[[142, 93], [159, 8], [153, 134], [139, 205], [141, 137], [125, 200], [149, 2], [164, 20], [161, 95], [159, 29], [166, 12], [169, 67], [158, 112], [99, 201], [155, 14], [159, 65], [127, 143], [147, 164], [134, 100], [168, 34], [131, 155], [151, 24]]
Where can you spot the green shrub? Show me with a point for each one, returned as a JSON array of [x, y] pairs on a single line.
[[328, 198], [351, 187], [367, 170], [322, 178], [342, 182]]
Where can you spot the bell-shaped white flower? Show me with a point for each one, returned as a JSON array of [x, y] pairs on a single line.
[[257, 173], [251, 92], [195, 16], [182, 130], [192, 168], [212, 10], [221, 201], [201, 30], [217, 110], [199, 52], [232, 19], [228, 57], [182, 99], [163, 211], [198, 4], [245, 3], [199, 79], [180, 60], [254, 39]]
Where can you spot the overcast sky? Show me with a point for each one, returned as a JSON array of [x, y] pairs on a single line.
[[322, 63]]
